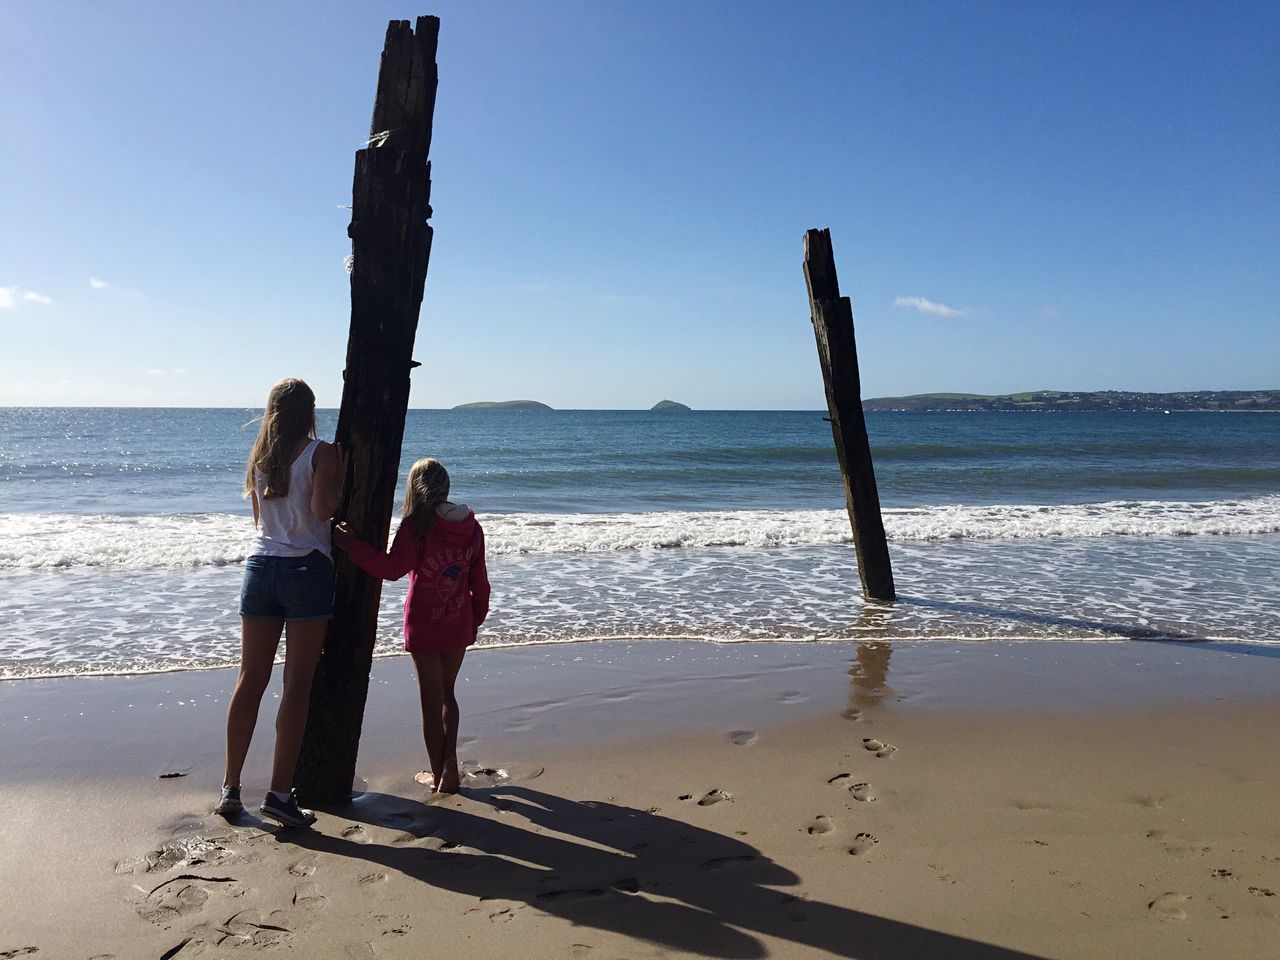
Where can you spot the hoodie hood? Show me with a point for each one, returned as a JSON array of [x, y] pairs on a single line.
[[455, 524]]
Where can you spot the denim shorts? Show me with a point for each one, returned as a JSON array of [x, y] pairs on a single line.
[[288, 588]]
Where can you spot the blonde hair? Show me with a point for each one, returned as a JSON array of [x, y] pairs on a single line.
[[290, 416], [428, 487]]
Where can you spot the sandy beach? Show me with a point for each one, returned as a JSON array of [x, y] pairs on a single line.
[[1081, 800]]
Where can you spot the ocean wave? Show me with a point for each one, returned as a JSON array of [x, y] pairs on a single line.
[[62, 541]]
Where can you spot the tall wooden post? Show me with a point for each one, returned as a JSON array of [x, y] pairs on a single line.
[[838, 354], [390, 244]]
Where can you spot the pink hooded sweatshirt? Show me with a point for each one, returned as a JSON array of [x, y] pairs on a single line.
[[448, 582]]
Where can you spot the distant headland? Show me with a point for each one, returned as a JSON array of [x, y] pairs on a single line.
[[503, 405], [671, 405], [1117, 401]]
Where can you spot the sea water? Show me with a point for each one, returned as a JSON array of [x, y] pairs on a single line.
[[123, 532]]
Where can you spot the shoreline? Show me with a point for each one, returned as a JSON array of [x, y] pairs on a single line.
[[1067, 800], [1240, 646]]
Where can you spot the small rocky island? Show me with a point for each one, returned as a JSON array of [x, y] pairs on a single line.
[[503, 405], [670, 405]]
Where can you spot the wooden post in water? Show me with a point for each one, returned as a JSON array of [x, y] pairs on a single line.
[[390, 245], [838, 354]]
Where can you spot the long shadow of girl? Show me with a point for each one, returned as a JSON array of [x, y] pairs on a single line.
[[633, 872]]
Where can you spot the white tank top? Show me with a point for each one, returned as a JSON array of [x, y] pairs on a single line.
[[286, 525]]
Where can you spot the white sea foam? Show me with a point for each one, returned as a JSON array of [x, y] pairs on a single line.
[[109, 620], [53, 541]]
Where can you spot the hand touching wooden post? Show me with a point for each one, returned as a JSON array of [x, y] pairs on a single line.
[[838, 354], [390, 245]]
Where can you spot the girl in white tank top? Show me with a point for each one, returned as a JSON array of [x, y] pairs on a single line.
[[295, 482], [287, 526]]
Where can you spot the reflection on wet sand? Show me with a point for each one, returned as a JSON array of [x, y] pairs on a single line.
[[867, 676]]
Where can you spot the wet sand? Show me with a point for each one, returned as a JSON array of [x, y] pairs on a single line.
[[664, 799]]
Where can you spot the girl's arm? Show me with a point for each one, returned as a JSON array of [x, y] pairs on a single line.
[[329, 463], [479, 585], [385, 566], [256, 510]]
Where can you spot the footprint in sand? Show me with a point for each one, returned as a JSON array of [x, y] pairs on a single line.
[[821, 824], [862, 792], [19, 952], [372, 878], [356, 834], [309, 897], [398, 820], [478, 776], [1262, 892], [795, 908], [249, 927], [862, 843], [879, 747], [302, 868], [1222, 873], [191, 851], [840, 777], [713, 797], [1169, 906], [743, 738], [184, 894]]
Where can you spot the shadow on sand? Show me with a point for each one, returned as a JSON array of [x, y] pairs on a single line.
[[631, 872], [878, 616]]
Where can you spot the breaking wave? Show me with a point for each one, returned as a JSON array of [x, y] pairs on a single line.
[[62, 541]]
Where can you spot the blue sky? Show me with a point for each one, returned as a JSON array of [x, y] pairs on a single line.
[[1021, 196]]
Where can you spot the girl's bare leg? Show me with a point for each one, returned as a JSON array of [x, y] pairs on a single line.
[[429, 669], [304, 640], [450, 780], [259, 638]]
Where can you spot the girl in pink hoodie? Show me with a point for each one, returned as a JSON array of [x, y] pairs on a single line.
[[441, 546]]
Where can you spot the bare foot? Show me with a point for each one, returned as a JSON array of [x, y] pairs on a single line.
[[427, 779], [450, 781]]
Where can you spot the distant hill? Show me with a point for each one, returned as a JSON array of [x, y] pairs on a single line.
[[1119, 401], [670, 405], [503, 405]]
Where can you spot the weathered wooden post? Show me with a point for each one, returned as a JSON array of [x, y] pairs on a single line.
[[390, 245], [838, 354]]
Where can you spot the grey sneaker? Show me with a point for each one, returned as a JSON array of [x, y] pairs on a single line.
[[229, 801], [287, 813]]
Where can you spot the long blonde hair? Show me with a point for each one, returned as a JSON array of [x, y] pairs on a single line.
[[428, 487], [290, 416]]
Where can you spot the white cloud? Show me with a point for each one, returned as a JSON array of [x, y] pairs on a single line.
[[10, 297], [132, 292], [160, 372], [928, 306]]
